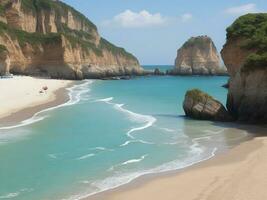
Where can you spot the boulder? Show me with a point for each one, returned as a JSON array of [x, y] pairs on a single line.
[[201, 106]]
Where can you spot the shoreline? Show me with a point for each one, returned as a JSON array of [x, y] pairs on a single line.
[[151, 186], [57, 97]]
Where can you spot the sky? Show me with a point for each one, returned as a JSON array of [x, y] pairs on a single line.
[[153, 30]]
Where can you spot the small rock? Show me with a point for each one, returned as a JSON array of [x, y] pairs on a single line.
[[201, 106], [157, 72]]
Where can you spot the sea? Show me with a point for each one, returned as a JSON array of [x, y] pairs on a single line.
[[108, 134]]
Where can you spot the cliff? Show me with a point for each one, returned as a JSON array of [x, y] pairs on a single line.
[[198, 56], [245, 57], [50, 38]]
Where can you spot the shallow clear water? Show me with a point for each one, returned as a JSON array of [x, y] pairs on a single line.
[[109, 133]]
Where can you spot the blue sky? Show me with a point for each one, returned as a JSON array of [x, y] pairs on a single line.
[[153, 30]]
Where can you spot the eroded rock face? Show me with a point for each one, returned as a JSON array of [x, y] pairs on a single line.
[[4, 63], [56, 40], [198, 56], [201, 106], [247, 96]]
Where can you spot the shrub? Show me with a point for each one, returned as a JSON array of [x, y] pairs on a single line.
[[252, 28]]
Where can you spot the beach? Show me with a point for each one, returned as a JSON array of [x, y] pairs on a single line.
[[239, 174], [168, 157], [22, 96]]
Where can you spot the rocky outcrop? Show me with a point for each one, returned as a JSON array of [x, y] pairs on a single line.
[[198, 56], [201, 106], [4, 61], [50, 38], [245, 57], [157, 72]]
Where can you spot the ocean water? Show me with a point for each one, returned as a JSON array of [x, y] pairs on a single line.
[[108, 134]]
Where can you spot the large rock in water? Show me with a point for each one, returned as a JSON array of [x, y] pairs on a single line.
[[50, 38], [245, 57], [198, 56], [199, 105]]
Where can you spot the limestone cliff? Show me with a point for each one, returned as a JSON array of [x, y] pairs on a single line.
[[47, 37], [198, 56], [245, 57]]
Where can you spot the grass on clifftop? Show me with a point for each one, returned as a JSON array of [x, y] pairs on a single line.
[[60, 8], [199, 41], [253, 29], [85, 38], [104, 44], [197, 95]]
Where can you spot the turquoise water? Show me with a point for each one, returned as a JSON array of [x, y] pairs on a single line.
[[109, 133]]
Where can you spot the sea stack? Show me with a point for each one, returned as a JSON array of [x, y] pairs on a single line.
[[49, 38], [245, 57], [198, 56]]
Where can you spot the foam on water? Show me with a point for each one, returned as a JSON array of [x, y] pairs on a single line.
[[121, 179], [15, 194], [75, 93], [101, 149], [86, 156], [135, 117], [135, 141], [137, 160]]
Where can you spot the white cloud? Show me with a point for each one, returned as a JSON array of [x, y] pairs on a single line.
[[243, 9], [186, 17], [130, 19]]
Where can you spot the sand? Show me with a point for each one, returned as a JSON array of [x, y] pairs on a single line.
[[239, 174], [22, 93]]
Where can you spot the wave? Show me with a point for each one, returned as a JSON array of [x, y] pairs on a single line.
[[135, 117], [169, 130], [86, 156], [15, 194], [10, 195], [101, 149], [215, 132], [135, 141], [134, 160], [137, 160], [53, 156], [118, 180], [105, 100], [75, 92]]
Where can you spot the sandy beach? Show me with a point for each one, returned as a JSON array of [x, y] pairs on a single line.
[[239, 174], [22, 96]]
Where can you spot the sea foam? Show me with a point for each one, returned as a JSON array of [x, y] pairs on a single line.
[[118, 180], [135, 117]]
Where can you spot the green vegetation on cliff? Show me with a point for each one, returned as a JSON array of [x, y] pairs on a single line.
[[60, 8], [2, 48], [104, 44], [86, 38], [31, 38], [252, 28], [2, 10], [197, 95], [199, 42]]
